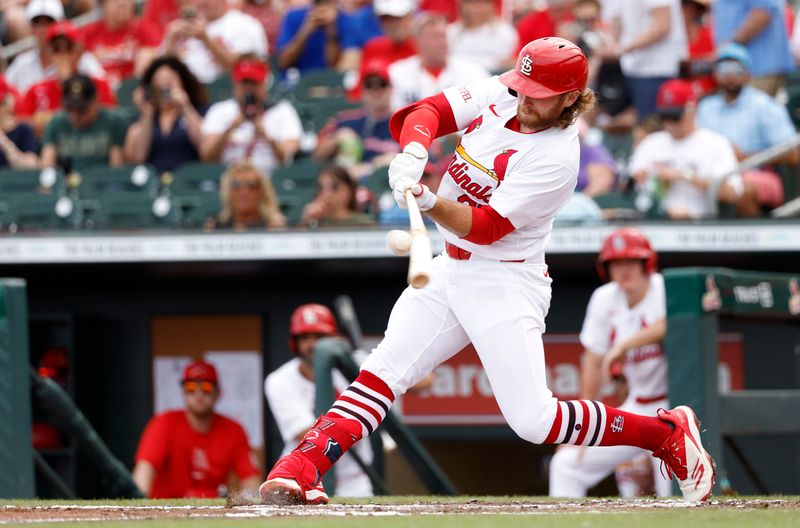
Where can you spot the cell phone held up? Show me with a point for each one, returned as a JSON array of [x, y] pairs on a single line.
[[251, 106]]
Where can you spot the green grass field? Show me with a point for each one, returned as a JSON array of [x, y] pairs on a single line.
[[410, 512]]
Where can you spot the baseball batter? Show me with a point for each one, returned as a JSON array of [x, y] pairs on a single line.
[[515, 167], [625, 321], [290, 392]]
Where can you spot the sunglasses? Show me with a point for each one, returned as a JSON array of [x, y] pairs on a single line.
[[375, 85], [671, 117], [240, 184], [206, 387]]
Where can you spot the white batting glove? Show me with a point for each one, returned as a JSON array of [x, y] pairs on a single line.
[[408, 164], [426, 199]]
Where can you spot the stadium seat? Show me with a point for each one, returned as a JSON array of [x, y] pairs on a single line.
[[315, 114], [41, 212], [197, 177], [27, 181], [125, 105], [104, 180], [220, 89], [195, 192], [378, 181], [131, 210], [320, 84], [296, 185]]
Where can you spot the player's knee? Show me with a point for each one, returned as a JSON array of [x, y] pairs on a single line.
[[530, 428]]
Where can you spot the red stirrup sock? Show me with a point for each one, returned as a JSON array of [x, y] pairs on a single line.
[[591, 423], [356, 413]]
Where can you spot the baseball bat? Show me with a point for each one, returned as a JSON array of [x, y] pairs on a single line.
[[419, 257]]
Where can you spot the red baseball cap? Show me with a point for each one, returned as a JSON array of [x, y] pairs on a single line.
[[200, 370], [673, 96], [250, 70], [377, 68], [62, 29]]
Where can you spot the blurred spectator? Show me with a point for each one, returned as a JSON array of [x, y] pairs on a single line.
[[269, 13], [750, 119], [209, 38], [360, 139], [191, 452], [543, 21], [760, 26], [35, 65], [44, 98], [17, 140], [171, 102], [397, 42], [313, 37], [651, 42], [161, 12], [74, 8], [14, 25], [698, 68], [83, 134], [290, 392], [597, 170], [248, 200], [361, 22], [122, 43], [480, 36], [685, 164], [335, 202], [248, 126], [432, 69]]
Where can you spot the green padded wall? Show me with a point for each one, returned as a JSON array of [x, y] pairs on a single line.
[[16, 451]]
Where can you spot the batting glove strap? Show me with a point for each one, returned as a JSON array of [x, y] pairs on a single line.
[[408, 164], [425, 198]]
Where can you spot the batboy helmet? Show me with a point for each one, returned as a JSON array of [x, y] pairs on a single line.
[[626, 243], [311, 319], [546, 67]]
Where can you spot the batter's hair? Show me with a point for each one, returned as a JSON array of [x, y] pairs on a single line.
[[585, 102]]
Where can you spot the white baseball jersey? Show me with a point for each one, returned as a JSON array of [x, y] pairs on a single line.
[[290, 396], [412, 82], [610, 319], [526, 178]]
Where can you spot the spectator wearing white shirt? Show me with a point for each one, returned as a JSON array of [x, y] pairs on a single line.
[[247, 126], [35, 65], [651, 42], [479, 35], [432, 69], [688, 163], [209, 38]]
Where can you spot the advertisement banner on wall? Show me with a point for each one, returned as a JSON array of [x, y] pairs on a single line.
[[461, 393]]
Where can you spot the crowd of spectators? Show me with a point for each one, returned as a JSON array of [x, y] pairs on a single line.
[[675, 80]]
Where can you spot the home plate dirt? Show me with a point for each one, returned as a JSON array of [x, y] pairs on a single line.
[[99, 512]]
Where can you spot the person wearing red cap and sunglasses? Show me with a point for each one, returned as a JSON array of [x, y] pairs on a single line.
[[623, 328], [290, 393], [514, 168], [685, 162], [191, 452], [247, 126]]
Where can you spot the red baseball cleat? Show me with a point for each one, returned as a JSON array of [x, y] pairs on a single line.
[[293, 480], [684, 456]]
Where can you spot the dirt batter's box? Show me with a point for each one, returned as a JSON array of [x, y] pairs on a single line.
[[696, 300]]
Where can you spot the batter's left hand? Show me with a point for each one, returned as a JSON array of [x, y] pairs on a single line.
[[424, 196]]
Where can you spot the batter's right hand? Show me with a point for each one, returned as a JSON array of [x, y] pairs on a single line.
[[408, 164]]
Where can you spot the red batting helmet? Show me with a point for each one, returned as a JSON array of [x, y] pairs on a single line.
[[311, 319], [626, 243], [546, 67]]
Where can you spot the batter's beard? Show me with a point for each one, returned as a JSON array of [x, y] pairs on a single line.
[[538, 121]]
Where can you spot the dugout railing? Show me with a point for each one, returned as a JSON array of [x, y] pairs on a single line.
[[335, 353], [696, 300]]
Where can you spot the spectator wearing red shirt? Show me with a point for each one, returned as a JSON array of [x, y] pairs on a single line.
[[124, 44], [44, 98], [396, 43], [702, 51], [541, 23], [191, 452]]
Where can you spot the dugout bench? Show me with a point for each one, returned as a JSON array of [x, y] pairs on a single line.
[[696, 299]]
